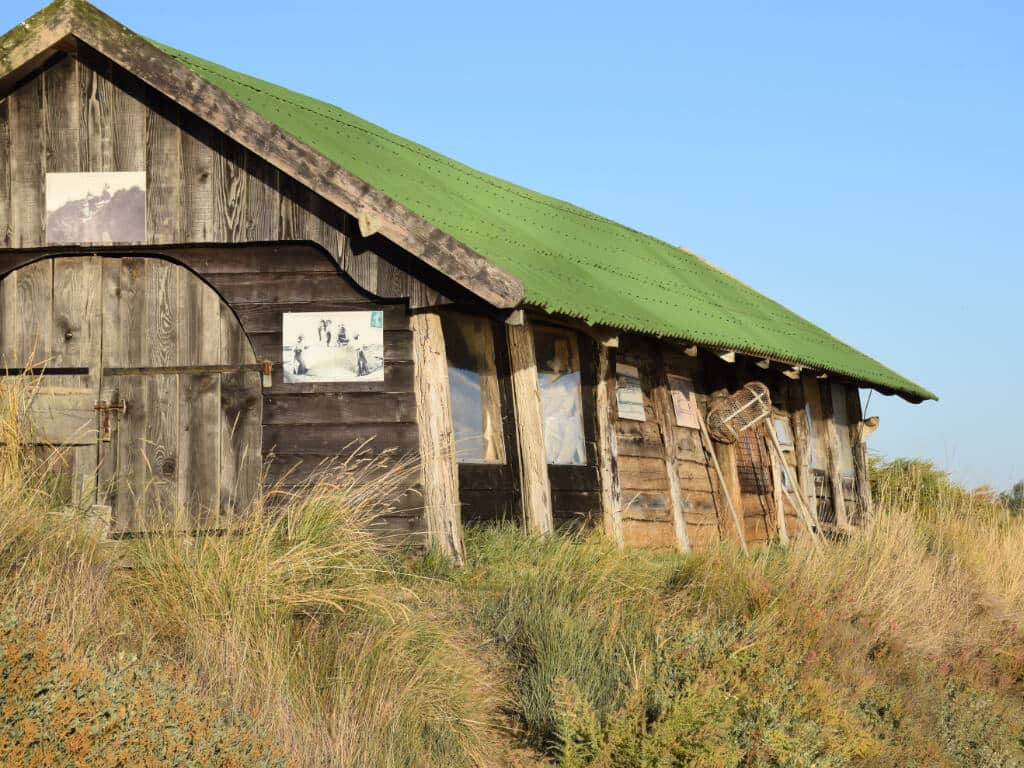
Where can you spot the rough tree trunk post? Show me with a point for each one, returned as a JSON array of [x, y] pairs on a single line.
[[858, 438], [607, 446], [832, 443], [439, 468], [533, 462]]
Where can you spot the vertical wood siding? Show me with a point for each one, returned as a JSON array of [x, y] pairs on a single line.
[[222, 212]]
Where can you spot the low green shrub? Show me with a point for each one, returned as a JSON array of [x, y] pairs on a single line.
[[60, 707]]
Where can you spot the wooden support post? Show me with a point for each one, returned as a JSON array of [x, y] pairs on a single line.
[[666, 421], [534, 482], [801, 441], [858, 439], [833, 452], [607, 445], [780, 511], [439, 468]]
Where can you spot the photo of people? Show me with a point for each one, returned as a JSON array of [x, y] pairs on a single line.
[[333, 346]]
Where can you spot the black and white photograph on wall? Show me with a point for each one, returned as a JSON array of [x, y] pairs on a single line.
[[333, 346], [94, 208]]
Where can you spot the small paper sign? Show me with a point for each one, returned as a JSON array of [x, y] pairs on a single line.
[[629, 394], [684, 401]]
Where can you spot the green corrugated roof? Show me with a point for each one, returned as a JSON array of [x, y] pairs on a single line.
[[571, 261]]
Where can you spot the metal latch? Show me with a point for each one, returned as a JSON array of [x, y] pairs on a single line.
[[105, 408]]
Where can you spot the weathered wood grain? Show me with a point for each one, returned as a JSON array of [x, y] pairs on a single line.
[[665, 413], [534, 482], [865, 504], [438, 467], [607, 445], [5, 173], [27, 154]]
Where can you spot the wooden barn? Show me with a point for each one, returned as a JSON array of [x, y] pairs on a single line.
[[220, 282]]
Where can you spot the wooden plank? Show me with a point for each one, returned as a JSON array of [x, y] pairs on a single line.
[[801, 440], [199, 430], [159, 347], [241, 439], [642, 473], [327, 440], [439, 470], [62, 117], [164, 203], [5, 174], [280, 257], [28, 209], [865, 504], [664, 410], [607, 445], [833, 449], [293, 288], [230, 192], [33, 299], [129, 474], [199, 448], [263, 203], [129, 118], [340, 408], [76, 327], [197, 183], [97, 121], [533, 465]]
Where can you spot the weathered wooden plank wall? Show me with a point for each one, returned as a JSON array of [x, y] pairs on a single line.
[[82, 113]]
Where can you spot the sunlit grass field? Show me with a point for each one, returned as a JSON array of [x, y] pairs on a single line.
[[301, 639]]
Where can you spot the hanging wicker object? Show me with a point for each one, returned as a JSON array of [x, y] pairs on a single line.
[[739, 412]]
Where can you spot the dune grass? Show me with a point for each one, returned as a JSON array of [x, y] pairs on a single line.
[[900, 646]]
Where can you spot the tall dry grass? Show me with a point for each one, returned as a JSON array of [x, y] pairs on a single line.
[[900, 645], [298, 615]]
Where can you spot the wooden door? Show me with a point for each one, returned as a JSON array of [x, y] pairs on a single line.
[[153, 337]]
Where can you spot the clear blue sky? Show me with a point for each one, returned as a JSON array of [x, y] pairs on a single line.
[[863, 163]]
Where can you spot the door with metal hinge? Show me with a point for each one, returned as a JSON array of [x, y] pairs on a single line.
[[147, 381]]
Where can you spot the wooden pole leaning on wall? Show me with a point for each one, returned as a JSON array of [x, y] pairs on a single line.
[[534, 483], [438, 464], [709, 448], [607, 446]]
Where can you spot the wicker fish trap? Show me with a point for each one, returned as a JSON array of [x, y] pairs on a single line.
[[739, 412]]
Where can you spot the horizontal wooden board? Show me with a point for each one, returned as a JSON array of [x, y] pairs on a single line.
[[291, 288], [339, 408], [324, 440], [267, 318], [647, 506], [642, 474], [272, 259], [648, 535]]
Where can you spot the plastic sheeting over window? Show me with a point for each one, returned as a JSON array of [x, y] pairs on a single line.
[[558, 373], [473, 379]]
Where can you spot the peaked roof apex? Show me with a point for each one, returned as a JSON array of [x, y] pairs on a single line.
[[55, 28]]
